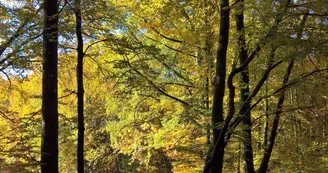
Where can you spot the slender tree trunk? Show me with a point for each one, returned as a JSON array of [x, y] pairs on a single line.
[[324, 133], [260, 134], [221, 135], [266, 121], [244, 93], [80, 88], [49, 143], [239, 157], [324, 122], [294, 117], [209, 62], [295, 125], [268, 149], [215, 164]]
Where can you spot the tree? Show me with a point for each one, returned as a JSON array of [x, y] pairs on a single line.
[[149, 68], [219, 89], [49, 144], [20, 31], [268, 149], [244, 112], [80, 88], [244, 91]]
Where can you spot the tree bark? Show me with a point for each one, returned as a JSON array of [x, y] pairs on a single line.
[[80, 88], [49, 143], [244, 93], [220, 79], [215, 164]]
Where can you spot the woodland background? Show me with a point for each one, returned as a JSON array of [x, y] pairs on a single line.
[[166, 82]]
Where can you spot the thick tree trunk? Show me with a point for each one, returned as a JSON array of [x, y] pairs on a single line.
[[80, 88], [220, 77], [49, 143], [215, 164], [244, 93]]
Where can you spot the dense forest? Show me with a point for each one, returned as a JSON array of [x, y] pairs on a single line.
[[163, 86]]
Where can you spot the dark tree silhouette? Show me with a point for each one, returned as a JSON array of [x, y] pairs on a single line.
[[49, 144]]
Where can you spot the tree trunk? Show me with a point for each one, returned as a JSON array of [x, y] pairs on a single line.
[[208, 62], [266, 121], [219, 86], [49, 143], [244, 93], [268, 149], [239, 157], [80, 88], [215, 164]]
